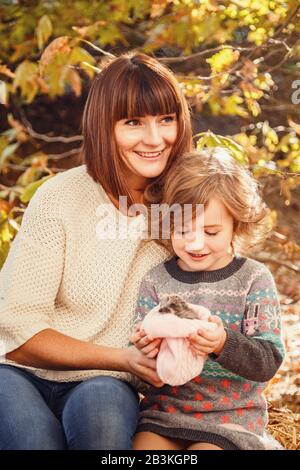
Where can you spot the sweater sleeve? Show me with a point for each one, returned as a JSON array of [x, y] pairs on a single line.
[[256, 352], [31, 275], [147, 299]]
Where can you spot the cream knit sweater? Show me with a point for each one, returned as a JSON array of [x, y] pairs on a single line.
[[60, 274]]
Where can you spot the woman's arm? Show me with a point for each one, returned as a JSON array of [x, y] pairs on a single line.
[[50, 349], [29, 282]]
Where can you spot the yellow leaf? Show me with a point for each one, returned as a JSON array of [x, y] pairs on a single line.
[[4, 70], [253, 107], [79, 55], [231, 105], [31, 189], [59, 46], [7, 153], [264, 81], [251, 91], [43, 31], [30, 175], [26, 79], [90, 30], [223, 60], [296, 52], [209, 139], [71, 76], [294, 125], [295, 166], [259, 35]]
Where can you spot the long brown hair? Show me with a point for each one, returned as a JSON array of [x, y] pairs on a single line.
[[128, 86]]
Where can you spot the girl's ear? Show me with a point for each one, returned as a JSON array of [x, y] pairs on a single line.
[[231, 248]]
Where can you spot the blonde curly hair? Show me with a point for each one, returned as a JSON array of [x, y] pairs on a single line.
[[200, 175]]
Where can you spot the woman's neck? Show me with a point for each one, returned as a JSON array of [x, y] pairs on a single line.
[[136, 194]]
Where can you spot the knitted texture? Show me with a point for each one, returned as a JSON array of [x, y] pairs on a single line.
[[59, 274], [176, 363], [225, 404]]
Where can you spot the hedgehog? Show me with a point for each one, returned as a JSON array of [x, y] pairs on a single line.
[[176, 305]]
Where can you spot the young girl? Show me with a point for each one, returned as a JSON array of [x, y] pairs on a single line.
[[224, 407]]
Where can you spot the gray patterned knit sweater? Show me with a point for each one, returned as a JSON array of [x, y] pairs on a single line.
[[225, 405]]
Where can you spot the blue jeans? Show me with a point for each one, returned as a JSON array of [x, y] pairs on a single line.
[[100, 413]]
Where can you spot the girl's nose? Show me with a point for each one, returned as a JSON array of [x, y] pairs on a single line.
[[196, 243]]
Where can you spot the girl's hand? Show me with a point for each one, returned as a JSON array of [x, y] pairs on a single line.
[[145, 343], [207, 342], [136, 363]]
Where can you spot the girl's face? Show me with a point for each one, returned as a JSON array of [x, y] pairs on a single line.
[[210, 239], [145, 144]]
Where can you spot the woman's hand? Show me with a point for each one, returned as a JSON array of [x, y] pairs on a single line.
[[145, 368], [207, 342], [145, 343]]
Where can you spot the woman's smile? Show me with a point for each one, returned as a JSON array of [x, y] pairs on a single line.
[[149, 155]]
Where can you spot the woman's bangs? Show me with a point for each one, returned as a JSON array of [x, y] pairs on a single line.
[[145, 96]]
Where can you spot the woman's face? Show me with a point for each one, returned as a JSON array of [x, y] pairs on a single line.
[[145, 144]]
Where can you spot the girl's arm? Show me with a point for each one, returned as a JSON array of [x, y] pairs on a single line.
[[256, 352]]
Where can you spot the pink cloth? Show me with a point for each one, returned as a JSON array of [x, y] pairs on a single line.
[[176, 363]]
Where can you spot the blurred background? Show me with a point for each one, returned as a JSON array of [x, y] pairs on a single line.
[[238, 63]]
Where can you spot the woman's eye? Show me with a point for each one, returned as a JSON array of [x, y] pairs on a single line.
[[212, 233], [132, 122], [169, 118]]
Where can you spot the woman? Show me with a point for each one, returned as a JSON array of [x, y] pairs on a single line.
[[67, 294]]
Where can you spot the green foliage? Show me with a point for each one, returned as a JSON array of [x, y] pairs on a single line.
[[209, 139], [43, 31], [31, 189]]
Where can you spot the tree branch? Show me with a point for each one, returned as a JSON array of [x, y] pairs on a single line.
[[10, 189], [286, 264], [59, 156], [13, 166], [47, 138], [287, 21], [98, 48], [174, 60]]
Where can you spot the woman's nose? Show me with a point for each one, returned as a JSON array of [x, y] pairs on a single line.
[[152, 135]]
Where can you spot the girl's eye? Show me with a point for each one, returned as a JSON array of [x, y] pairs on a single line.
[[212, 233]]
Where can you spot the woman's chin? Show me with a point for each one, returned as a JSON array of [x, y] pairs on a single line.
[[152, 170]]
